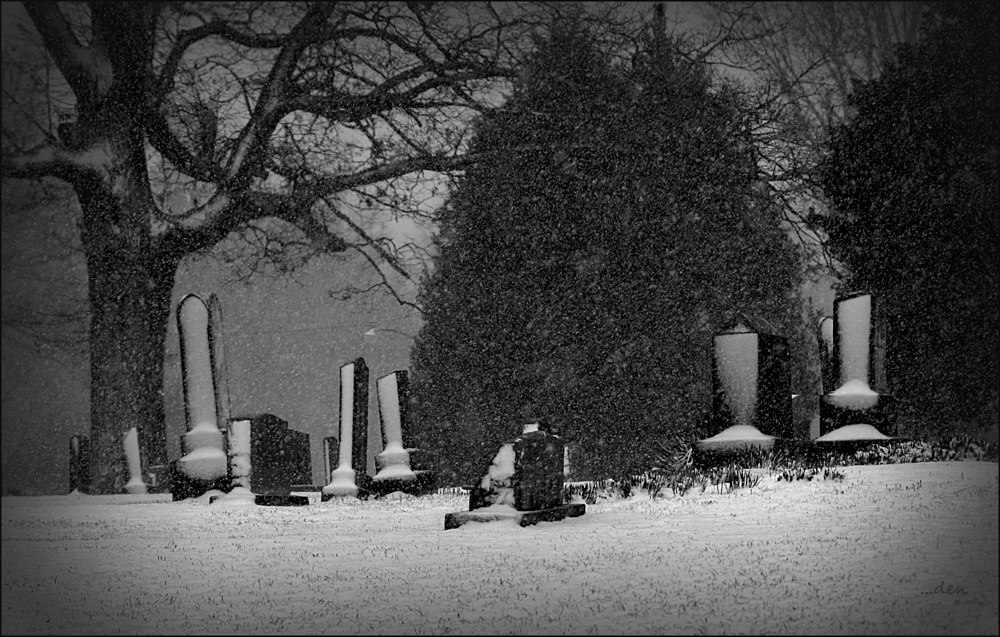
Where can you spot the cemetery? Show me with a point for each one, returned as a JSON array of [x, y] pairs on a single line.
[[731, 518], [261, 458]]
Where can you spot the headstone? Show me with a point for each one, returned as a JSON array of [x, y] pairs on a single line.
[[204, 464], [353, 432], [751, 379], [524, 482], [219, 369], [395, 471], [131, 444], [860, 392], [331, 456], [267, 458], [824, 334], [79, 464], [394, 461]]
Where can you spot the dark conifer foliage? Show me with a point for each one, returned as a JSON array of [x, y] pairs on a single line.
[[913, 178], [581, 277]]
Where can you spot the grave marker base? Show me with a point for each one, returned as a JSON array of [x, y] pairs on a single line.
[[882, 415], [183, 486], [424, 483], [362, 481], [281, 500], [524, 518]]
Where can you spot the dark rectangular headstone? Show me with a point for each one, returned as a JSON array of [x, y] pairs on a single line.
[[79, 464], [359, 435], [279, 456], [538, 471], [299, 457]]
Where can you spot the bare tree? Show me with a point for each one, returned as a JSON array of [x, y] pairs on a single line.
[[266, 132], [797, 63]]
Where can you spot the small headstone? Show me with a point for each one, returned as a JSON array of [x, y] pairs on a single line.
[[523, 482], [79, 464], [130, 442]]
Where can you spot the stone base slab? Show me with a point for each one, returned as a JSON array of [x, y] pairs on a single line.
[[423, 484], [281, 500], [183, 486], [524, 518]]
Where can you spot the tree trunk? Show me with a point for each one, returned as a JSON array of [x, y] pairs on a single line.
[[130, 286], [130, 306]]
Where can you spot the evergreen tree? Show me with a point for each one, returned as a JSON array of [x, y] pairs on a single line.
[[913, 177], [583, 280]]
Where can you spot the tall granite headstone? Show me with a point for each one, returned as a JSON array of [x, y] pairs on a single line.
[[860, 393], [751, 379]]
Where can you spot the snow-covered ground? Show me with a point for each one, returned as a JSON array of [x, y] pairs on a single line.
[[903, 549]]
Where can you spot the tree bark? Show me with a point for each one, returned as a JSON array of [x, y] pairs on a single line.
[[130, 286]]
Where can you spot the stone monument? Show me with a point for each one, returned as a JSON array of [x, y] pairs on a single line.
[[523, 483], [858, 391], [353, 433], [204, 464]]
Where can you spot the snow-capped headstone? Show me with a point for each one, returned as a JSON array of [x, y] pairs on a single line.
[[204, 465], [394, 461], [130, 442], [353, 431], [396, 471], [859, 394], [79, 464], [751, 379], [524, 482]]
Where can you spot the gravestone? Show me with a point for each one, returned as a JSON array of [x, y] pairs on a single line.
[[267, 458], [524, 483], [353, 444], [204, 465], [79, 464], [395, 472], [130, 442], [859, 392], [331, 456], [751, 379]]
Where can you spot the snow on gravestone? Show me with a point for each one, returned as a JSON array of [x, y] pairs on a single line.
[[751, 379], [131, 444], [858, 368], [524, 482], [394, 461], [353, 431], [204, 465], [396, 471]]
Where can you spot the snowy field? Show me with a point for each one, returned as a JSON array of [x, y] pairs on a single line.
[[900, 549]]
